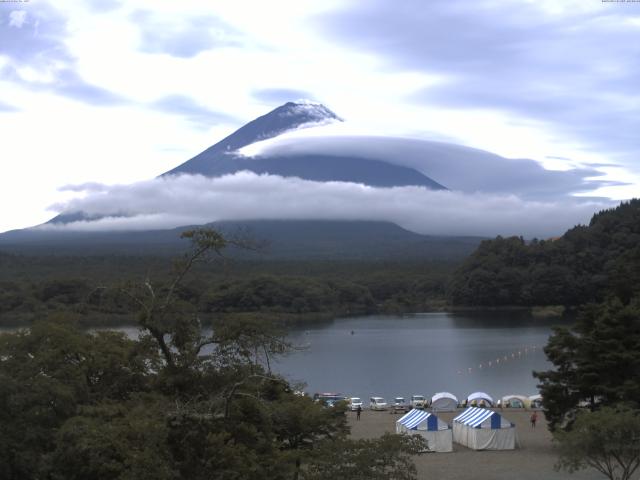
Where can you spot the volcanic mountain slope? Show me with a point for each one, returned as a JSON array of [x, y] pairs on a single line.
[[363, 240], [341, 179], [223, 157], [285, 239]]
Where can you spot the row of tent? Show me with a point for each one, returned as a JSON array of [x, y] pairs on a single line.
[[475, 428], [448, 402]]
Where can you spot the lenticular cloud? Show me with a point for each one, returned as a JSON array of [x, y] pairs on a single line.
[[169, 202]]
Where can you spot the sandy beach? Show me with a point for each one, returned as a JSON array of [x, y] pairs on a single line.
[[534, 460]]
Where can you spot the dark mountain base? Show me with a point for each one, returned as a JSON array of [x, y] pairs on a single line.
[[281, 239]]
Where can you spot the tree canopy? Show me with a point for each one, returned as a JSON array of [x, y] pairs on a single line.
[[597, 362], [607, 440], [584, 265], [178, 401]]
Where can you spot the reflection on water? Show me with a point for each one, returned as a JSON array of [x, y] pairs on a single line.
[[421, 354]]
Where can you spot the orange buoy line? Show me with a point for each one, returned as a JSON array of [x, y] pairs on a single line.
[[501, 360]]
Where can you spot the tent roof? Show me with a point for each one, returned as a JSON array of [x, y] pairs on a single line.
[[440, 395], [479, 396], [519, 397], [473, 417], [413, 418]]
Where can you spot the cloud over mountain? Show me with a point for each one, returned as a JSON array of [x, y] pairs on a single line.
[[457, 167], [283, 165], [174, 201]]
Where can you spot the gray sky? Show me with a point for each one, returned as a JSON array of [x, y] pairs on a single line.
[[119, 92]]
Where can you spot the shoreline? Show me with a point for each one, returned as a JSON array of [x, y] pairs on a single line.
[[287, 319]]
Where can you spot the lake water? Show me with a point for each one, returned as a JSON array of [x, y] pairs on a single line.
[[402, 355], [393, 356]]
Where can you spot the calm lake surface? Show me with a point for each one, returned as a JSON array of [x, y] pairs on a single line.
[[402, 355], [426, 353]]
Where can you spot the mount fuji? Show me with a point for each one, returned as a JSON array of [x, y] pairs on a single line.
[[244, 174], [289, 239], [224, 158]]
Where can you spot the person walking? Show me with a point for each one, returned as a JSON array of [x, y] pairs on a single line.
[[534, 419], [358, 412]]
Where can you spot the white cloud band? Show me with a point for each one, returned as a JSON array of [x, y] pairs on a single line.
[[169, 202]]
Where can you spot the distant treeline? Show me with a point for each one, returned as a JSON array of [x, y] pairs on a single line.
[[93, 288], [584, 265]]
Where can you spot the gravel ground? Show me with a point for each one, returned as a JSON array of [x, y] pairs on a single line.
[[534, 460]]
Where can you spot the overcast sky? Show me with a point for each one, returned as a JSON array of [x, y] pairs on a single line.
[[117, 92]]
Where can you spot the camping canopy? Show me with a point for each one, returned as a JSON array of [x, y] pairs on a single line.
[[480, 396], [535, 401], [444, 402], [436, 432], [484, 429], [514, 401]]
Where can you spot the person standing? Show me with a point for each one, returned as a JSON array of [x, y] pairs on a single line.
[[534, 419], [358, 412]]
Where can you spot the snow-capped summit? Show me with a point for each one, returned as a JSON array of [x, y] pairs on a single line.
[[224, 157], [287, 117], [313, 111], [305, 101]]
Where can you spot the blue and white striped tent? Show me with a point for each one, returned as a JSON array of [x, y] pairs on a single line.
[[484, 429], [436, 432]]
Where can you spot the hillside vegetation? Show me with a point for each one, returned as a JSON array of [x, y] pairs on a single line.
[[584, 265], [177, 402], [36, 287]]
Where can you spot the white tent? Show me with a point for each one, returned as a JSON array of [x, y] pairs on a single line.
[[436, 432], [480, 397], [514, 401], [484, 429], [534, 401], [444, 402]]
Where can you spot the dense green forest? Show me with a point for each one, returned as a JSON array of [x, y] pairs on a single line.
[[584, 265], [91, 287], [99, 405]]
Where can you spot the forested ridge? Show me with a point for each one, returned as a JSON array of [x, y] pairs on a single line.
[[584, 265], [591, 395], [35, 286]]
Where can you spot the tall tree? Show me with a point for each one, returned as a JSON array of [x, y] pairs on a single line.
[[47, 373], [597, 362], [607, 440]]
